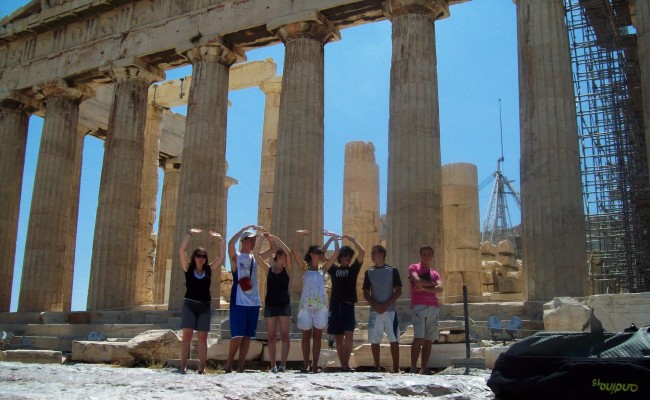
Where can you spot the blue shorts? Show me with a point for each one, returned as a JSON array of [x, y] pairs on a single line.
[[243, 320], [341, 319]]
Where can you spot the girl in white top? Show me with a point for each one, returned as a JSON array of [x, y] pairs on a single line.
[[313, 313]]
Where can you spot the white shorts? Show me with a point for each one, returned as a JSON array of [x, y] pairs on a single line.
[[378, 324], [312, 318]]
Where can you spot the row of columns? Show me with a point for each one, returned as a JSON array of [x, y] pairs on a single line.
[[553, 223]]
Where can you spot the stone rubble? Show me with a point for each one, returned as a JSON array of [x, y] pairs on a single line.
[[24, 381]]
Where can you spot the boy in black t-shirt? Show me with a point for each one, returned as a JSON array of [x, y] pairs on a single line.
[[344, 295]]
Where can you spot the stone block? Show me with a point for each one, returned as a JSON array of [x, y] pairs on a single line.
[[34, 356], [154, 345], [82, 317], [101, 352], [488, 248], [295, 351], [218, 350], [441, 355], [617, 311], [506, 247], [507, 260], [509, 284], [492, 353], [565, 314], [36, 343]]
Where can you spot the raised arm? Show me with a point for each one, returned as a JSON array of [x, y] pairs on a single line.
[[232, 247], [295, 252], [332, 236], [361, 252], [279, 243], [256, 250], [221, 251], [182, 254], [330, 262]]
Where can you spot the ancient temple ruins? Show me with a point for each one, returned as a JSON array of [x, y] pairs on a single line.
[[68, 60]]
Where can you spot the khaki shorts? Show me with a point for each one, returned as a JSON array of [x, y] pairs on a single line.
[[425, 322]]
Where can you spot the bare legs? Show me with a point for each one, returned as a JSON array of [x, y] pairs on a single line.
[[344, 349], [285, 325], [394, 352], [203, 349], [185, 347], [307, 335], [271, 330], [425, 347], [242, 344]]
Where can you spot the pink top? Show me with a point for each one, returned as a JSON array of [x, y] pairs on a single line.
[[419, 296]]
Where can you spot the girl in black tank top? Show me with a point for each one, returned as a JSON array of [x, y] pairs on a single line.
[[196, 311], [277, 303]]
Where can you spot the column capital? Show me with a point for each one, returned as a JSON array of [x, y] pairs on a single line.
[[221, 52], [171, 164], [435, 9], [11, 99], [60, 87], [134, 68], [309, 25], [273, 85]]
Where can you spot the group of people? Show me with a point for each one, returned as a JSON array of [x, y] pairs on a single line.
[[382, 286]]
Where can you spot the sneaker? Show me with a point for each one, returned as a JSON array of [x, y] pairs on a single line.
[[200, 372], [281, 368], [274, 370]]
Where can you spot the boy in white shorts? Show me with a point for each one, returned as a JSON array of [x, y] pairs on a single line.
[[382, 286]]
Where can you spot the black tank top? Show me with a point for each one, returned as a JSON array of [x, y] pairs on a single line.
[[198, 289], [277, 289]]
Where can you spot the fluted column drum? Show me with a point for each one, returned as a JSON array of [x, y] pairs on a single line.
[[14, 119], [201, 195], [119, 227], [553, 226], [298, 197], [47, 273], [414, 210]]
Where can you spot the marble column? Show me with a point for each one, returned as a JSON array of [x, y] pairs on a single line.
[[166, 226], [272, 89], [414, 210], [71, 246], [46, 283], [461, 235], [147, 246], [14, 119], [201, 192], [553, 228], [361, 200], [298, 197], [118, 227], [642, 25]]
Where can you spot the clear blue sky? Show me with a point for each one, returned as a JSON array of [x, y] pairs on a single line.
[[477, 65]]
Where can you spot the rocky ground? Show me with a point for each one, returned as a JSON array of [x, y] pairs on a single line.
[[92, 381]]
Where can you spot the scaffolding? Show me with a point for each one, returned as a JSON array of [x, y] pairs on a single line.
[[612, 144]]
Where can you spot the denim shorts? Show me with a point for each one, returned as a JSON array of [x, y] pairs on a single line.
[[281, 311], [196, 315]]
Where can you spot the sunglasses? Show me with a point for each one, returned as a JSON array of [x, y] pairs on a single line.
[[201, 256]]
